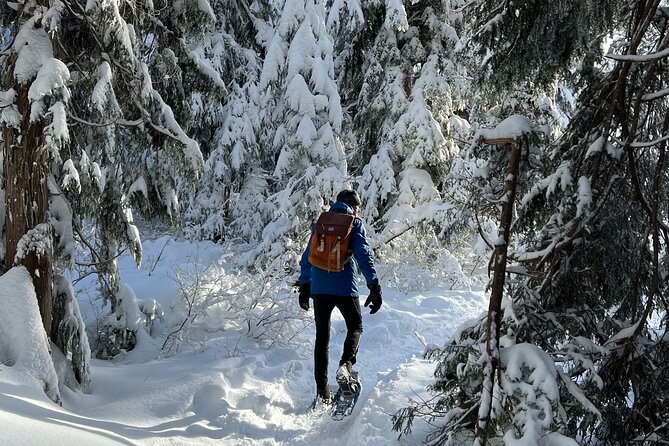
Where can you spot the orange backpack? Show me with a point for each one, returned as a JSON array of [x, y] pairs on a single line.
[[329, 242]]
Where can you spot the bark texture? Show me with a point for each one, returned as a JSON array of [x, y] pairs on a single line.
[[27, 198]]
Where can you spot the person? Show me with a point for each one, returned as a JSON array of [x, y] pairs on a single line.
[[330, 290]]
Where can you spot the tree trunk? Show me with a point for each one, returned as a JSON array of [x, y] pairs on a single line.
[[491, 368], [27, 199]]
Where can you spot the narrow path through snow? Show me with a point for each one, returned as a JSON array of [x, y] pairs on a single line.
[[252, 397]]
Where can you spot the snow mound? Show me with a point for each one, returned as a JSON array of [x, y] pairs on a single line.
[[23, 342]]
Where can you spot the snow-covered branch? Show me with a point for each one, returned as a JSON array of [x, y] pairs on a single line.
[[641, 58], [37, 240]]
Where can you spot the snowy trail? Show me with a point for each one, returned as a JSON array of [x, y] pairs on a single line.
[[254, 397]]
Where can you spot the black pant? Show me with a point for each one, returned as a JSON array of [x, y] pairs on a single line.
[[350, 309]]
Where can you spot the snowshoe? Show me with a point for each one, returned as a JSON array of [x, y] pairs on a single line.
[[347, 395]]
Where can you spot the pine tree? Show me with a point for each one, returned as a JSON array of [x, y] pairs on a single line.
[[616, 146], [130, 151], [302, 125], [594, 199], [33, 127], [402, 90], [231, 126], [110, 144], [31, 120]]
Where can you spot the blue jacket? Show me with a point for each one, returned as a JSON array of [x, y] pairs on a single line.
[[343, 283]]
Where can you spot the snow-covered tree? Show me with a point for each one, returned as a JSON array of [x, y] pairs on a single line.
[[534, 41], [33, 126], [402, 91], [86, 101], [581, 317], [130, 151], [233, 124], [613, 209], [70, 336], [302, 126]]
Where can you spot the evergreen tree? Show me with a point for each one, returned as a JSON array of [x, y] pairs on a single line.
[[129, 150], [402, 90], [302, 125], [617, 149], [110, 144], [230, 126], [579, 315], [32, 130]]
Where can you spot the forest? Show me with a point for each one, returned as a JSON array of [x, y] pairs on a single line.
[[523, 139]]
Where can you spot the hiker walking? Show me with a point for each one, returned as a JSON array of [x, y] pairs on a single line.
[[329, 275]]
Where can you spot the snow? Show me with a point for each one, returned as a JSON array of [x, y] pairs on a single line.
[[584, 199], [306, 131], [191, 149], [204, 66], [127, 301], [52, 77], [396, 16], [24, 357], [52, 16], [654, 142], [655, 95], [118, 30], [103, 92], [299, 97], [71, 176], [134, 239], [204, 6], [35, 60], [275, 58], [222, 386], [291, 16], [300, 50], [512, 127], [96, 174], [563, 175], [37, 239], [640, 57], [601, 144], [355, 14], [57, 132], [9, 113], [623, 335], [139, 186]]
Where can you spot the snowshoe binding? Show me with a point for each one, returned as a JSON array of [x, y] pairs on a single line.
[[347, 394]]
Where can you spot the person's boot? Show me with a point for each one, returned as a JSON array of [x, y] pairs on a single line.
[[344, 373], [348, 381], [323, 395]]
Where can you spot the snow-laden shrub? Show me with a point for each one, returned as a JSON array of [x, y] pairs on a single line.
[[118, 331], [214, 298], [151, 311], [68, 333], [528, 401], [420, 260]]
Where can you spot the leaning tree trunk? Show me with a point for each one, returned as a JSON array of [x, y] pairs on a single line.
[[27, 201], [491, 367]]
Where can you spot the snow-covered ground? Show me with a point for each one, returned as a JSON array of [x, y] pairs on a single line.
[[228, 389]]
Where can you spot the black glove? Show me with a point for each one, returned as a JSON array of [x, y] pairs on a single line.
[[374, 300], [305, 294]]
